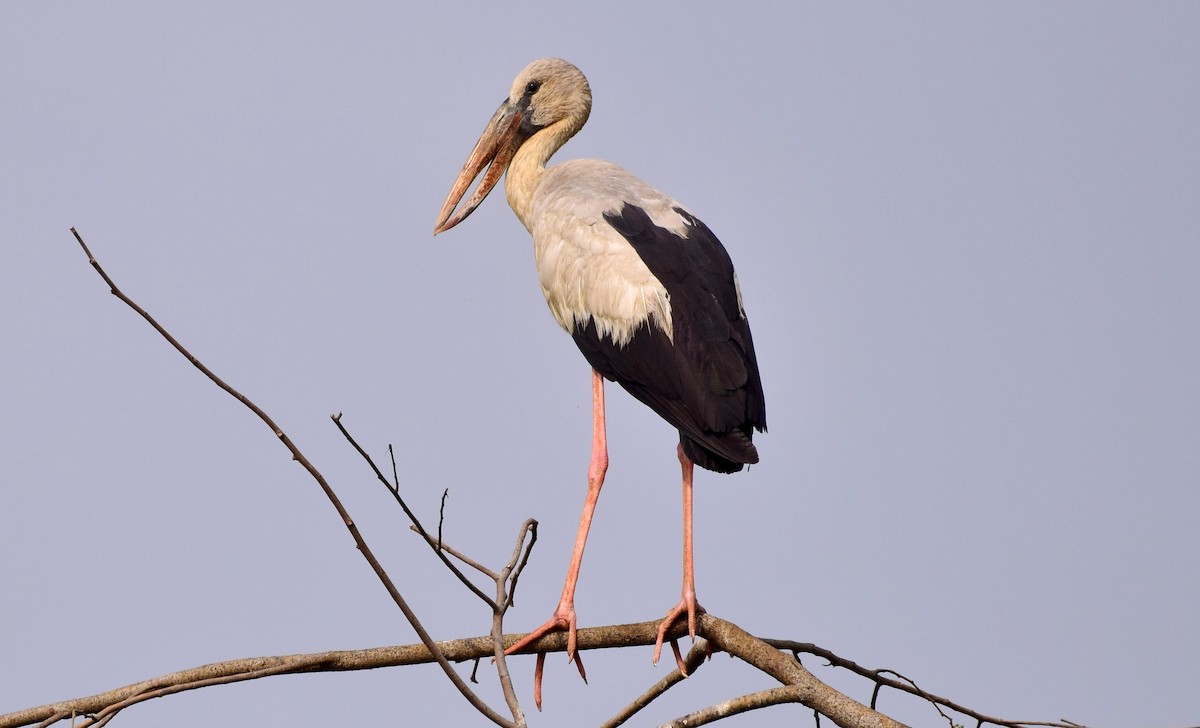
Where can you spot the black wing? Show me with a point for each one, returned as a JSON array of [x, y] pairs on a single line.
[[706, 381]]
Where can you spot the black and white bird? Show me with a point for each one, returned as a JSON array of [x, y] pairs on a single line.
[[644, 288]]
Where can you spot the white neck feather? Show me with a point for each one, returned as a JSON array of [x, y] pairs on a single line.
[[529, 165]]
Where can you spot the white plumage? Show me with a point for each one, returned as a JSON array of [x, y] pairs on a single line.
[[586, 268]]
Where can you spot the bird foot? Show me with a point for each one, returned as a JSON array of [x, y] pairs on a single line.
[[563, 620], [689, 605]]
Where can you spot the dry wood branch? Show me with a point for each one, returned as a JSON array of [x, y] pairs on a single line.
[[108, 713], [532, 526], [906, 685], [643, 634], [458, 555], [516, 562], [839, 708], [500, 604], [695, 658], [416, 522], [742, 704], [629, 635], [316, 475]]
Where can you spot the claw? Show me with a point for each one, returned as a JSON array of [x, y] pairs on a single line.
[[563, 620], [579, 665], [679, 658], [687, 604], [537, 680]]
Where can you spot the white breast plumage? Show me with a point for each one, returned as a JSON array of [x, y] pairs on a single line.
[[587, 270]]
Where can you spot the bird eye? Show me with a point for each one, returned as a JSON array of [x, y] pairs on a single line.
[[532, 87]]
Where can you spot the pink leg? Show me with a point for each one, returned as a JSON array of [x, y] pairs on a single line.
[[564, 616], [687, 602]]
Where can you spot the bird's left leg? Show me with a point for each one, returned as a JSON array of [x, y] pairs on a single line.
[[563, 618], [687, 602]]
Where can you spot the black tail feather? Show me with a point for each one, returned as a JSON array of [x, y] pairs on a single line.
[[737, 451]]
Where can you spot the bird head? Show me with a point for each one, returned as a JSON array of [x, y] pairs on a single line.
[[549, 94]]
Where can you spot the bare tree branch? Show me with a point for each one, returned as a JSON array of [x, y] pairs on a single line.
[[723, 634], [299, 457], [500, 581], [412, 516], [532, 525], [515, 563], [108, 713], [395, 491], [641, 634], [458, 555], [839, 708], [693, 661], [742, 704], [906, 685]]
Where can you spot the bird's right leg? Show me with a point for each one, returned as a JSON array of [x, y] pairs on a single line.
[[564, 616], [687, 603]]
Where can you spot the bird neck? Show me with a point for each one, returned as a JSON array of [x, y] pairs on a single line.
[[528, 166]]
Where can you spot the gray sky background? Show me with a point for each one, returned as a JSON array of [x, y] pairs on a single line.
[[969, 242]]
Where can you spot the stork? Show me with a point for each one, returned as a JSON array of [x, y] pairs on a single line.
[[644, 288]]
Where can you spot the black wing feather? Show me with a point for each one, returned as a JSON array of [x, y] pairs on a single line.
[[706, 381]]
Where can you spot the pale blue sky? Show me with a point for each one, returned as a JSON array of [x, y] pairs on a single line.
[[970, 249]]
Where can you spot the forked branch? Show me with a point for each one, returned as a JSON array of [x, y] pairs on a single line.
[[299, 457]]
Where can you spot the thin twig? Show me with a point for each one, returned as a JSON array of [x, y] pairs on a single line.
[[54, 718], [110, 712], [498, 645], [337, 420], [520, 555], [531, 525], [457, 554], [442, 515], [395, 475], [499, 605], [919, 692], [317, 476], [695, 658], [501, 602], [741, 704], [880, 679]]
